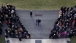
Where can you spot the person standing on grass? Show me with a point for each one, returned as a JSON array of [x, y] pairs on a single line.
[[31, 13]]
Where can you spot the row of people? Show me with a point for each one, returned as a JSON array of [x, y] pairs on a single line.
[[11, 19], [65, 25]]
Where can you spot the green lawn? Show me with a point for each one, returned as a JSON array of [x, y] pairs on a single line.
[[39, 4], [2, 39], [73, 39]]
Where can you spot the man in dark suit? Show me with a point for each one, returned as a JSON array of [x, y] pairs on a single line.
[[39, 21], [20, 36], [31, 13]]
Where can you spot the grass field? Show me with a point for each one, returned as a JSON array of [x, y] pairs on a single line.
[[2, 39], [73, 39], [39, 4]]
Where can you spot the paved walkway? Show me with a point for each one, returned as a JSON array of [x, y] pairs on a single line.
[[15, 40], [38, 32]]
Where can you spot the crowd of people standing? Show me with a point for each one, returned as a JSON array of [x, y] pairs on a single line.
[[65, 25], [15, 28]]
